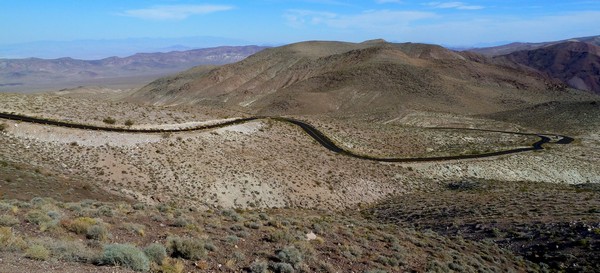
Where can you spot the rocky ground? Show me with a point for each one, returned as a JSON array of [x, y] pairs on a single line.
[[274, 167]]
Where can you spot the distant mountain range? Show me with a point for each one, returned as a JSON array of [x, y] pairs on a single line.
[[575, 62], [34, 74], [513, 47], [99, 49]]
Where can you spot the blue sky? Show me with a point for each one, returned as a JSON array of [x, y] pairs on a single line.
[[453, 23]]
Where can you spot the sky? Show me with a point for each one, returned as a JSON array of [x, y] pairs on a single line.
[[274, 22]]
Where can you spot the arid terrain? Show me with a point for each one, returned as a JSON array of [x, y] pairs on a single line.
[[35, 74], [264, 196]]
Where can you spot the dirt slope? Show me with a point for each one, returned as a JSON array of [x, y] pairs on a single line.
[[333, 77], [574, 63]]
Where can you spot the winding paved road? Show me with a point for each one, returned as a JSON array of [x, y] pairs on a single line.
[[312, 132]]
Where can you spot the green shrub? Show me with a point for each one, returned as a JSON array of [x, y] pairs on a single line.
[[80, 225], [105, 211], [180, 222], [70, 251], [259, 266], [97, 232], [37, 252], [128, 122], [109, 120], [290, 255], [156, 253], [3, 127], [37, 217], [187, 248], [8, 220], [125, 255], [135, 228], [9, 241], [283, 268]]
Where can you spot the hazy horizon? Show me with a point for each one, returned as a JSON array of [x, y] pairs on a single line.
[[64, 24]]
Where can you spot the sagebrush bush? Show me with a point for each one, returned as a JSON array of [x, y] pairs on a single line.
[[283, 268], [97, 232], [187, 248], [290, 255], [109, 120], [70, 251], [8, 220], [37, 252], [156, 253], [125, 255], [37, 217], [9, 241], [80, 225], [259, 266]]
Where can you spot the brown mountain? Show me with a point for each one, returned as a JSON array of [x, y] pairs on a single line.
[[35, 74], [574, 63], [324, 77], [513, 47]]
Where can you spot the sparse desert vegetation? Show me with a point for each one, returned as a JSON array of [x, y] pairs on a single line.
[[342, 242], [264, 196]]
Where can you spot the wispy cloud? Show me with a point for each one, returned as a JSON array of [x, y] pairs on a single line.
[[387, 1], [454, 5], [174, 12], [371, 19]]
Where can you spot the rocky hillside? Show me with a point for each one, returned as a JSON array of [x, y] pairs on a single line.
[[326, 77], [514, 47], [574, 63]]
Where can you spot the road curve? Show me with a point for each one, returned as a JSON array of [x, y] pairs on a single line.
[[312, 132]]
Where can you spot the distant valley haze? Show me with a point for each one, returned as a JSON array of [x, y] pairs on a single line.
[[99, 29]]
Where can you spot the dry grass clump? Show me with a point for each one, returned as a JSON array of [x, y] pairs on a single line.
[[242, 240]]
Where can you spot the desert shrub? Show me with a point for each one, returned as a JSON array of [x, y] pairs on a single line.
[[128, 122], [375, 271], [290, 255], [135, 228], [97, 232], [283, 268], [37, 217], [156, 253], [139, 206], [252, 224], [37, 252], [387, 260], [8, 220], [109, 120], [232, 239], [3, 127], [125, 255], [168, 266], [187, 248], [259, 266], [232, 214], [4, 207], [105, 211], [277, 236], [70, 251], [55, 215], [180, 222], [9, 241], [79, 225]]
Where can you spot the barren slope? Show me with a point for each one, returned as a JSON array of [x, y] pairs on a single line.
[[574, 63], [327, 77]]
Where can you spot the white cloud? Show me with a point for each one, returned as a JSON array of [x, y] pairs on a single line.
[[383, 20], [454, 5], [388, 1], [174, 12]]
